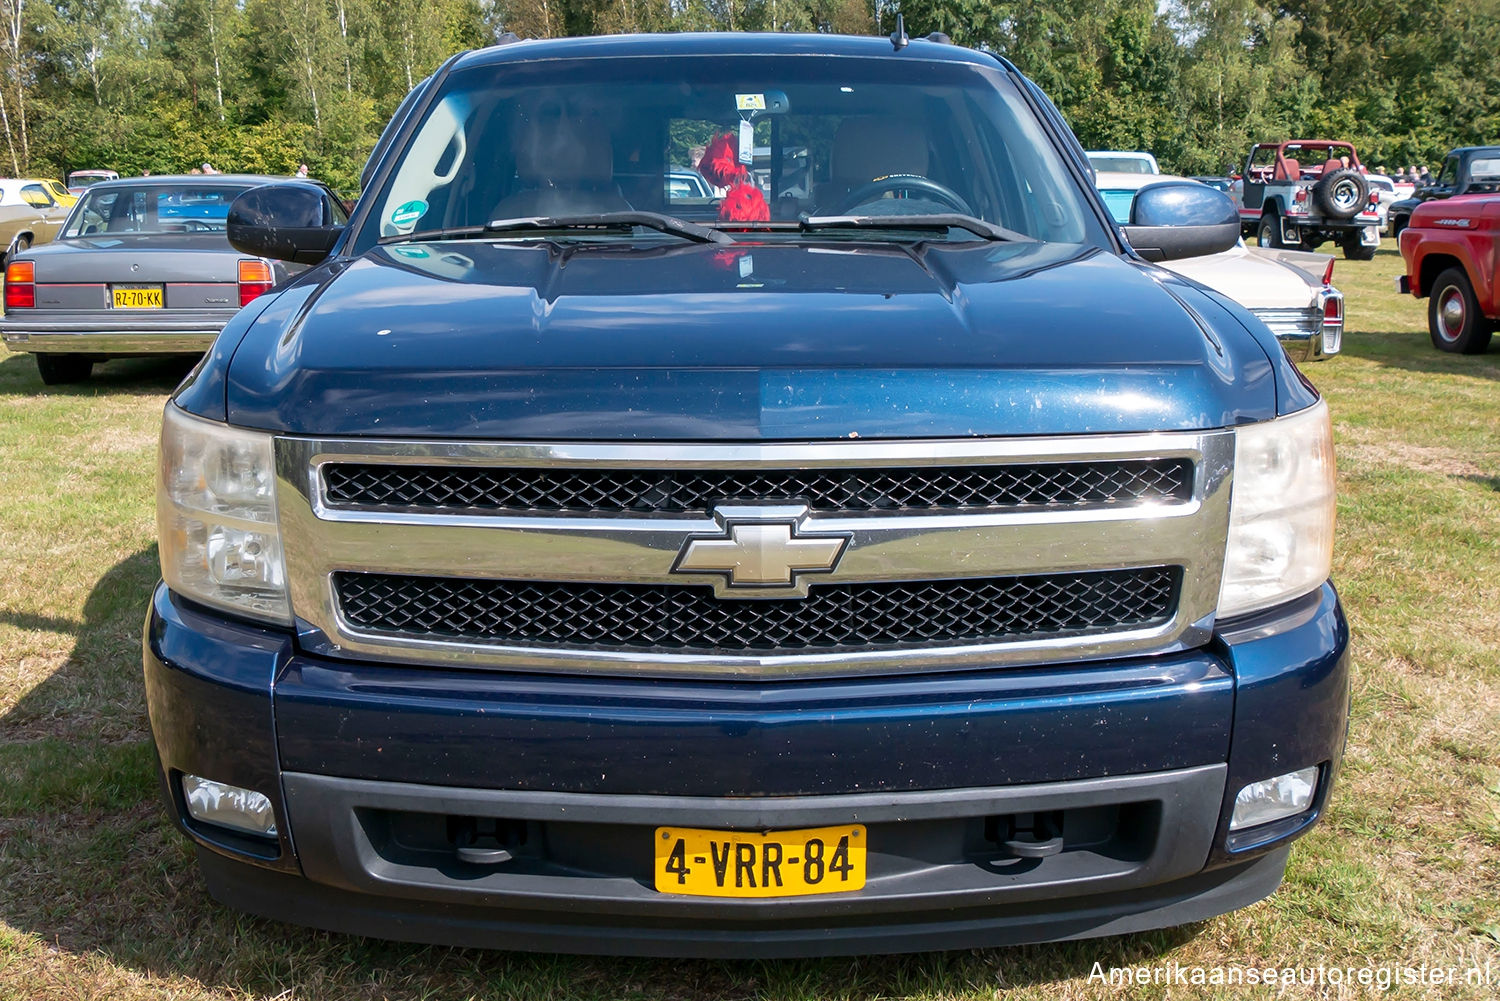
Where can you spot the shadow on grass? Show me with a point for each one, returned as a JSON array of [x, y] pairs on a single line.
[[153, 376], [1414, 352], [90, 865]]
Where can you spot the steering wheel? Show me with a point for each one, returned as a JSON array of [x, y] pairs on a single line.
[[904, 182]]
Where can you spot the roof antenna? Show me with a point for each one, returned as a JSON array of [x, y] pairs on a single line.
[[899, 40]]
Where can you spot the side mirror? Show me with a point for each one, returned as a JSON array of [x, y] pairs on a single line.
[[287, 221], [1171, 220]]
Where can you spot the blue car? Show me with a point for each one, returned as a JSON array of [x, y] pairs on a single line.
[[890, 557]]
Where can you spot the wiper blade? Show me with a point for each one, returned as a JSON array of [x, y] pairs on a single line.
[[615, 220], [598, 221], [953, 220], [450, 233]]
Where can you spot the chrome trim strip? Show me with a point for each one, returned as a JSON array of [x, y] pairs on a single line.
[[629, 548], [1299, 331], [105, 342]]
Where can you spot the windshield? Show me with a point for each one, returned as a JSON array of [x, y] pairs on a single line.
[[154, 208], [730, 142], [86, 180], [1122, 164]]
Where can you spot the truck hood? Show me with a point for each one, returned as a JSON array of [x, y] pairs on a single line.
[[773, 341]]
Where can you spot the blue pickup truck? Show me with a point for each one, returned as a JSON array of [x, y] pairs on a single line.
[[893, 560]]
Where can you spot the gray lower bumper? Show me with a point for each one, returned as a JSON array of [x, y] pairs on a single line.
[[586, 886], [191, 333]]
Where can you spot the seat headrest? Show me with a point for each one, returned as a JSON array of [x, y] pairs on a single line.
[[867, 148], [563, 152]]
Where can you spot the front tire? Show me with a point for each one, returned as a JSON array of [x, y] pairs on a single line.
[[1269, 233], [1453, 316], [61, 369], [1354, 250]]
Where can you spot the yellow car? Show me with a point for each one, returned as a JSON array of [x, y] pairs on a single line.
[[59, 191]]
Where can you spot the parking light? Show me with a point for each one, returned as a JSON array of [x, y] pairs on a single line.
[[225, 805], [20, 287], [1274, 799], [255, 280]]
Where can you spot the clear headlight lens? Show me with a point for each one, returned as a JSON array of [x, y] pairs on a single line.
[[216, 517], [1281, 513]]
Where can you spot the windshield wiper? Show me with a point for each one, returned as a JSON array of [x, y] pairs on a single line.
[[597, 221], [954, 220], [615, 220], [450, 233]]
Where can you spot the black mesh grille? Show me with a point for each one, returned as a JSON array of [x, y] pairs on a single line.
[[690, 618], [941, 488]]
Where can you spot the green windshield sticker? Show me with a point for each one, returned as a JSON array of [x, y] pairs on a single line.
[[406, 216]]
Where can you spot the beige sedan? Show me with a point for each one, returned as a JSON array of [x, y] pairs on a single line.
[[29, 215]]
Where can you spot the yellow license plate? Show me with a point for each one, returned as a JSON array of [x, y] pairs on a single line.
[[747, 864], [138, 298]]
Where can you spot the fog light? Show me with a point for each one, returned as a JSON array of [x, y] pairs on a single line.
[[1274, 799], [243, 810]]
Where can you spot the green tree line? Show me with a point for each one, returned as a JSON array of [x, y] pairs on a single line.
[[263, 85]]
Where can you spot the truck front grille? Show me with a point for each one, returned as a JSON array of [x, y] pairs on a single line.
[[674, 491], [572, 556], [691, 619]]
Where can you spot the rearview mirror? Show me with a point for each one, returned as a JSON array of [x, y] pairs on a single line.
[[1171, 220], [287, 221]]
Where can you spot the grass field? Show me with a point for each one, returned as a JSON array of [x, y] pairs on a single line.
[[99, 898]]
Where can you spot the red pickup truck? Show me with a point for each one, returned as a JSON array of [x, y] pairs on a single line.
[[1450, 248]]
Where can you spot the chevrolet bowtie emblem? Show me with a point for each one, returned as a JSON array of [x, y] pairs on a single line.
[[761, 552]]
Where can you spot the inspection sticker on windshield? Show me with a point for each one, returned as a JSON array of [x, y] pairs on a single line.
[[405, 216], [750, 102], [747, 142]]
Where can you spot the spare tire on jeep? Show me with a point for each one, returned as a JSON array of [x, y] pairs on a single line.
[[1341, 193]]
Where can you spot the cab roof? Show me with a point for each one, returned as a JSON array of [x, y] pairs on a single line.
[[726, 43]]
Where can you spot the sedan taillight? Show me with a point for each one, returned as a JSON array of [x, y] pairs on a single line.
[[20, 285], [255, 280], [1333, 321]]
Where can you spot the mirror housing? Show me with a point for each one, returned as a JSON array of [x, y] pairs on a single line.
[[287, 221], [1171, 220]]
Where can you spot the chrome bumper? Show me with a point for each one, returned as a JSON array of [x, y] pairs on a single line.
[[76, 333], [1307, 334]]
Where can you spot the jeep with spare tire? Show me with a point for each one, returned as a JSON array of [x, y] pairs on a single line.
[[1302, 193]]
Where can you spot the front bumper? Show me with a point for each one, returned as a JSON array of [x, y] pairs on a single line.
[[105, 333], [369, 766]]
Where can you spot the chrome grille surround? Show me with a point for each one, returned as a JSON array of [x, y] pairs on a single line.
[[628, 548]]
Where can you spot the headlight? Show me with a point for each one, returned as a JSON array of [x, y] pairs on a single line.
[[216, 517], [1281, 511]]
